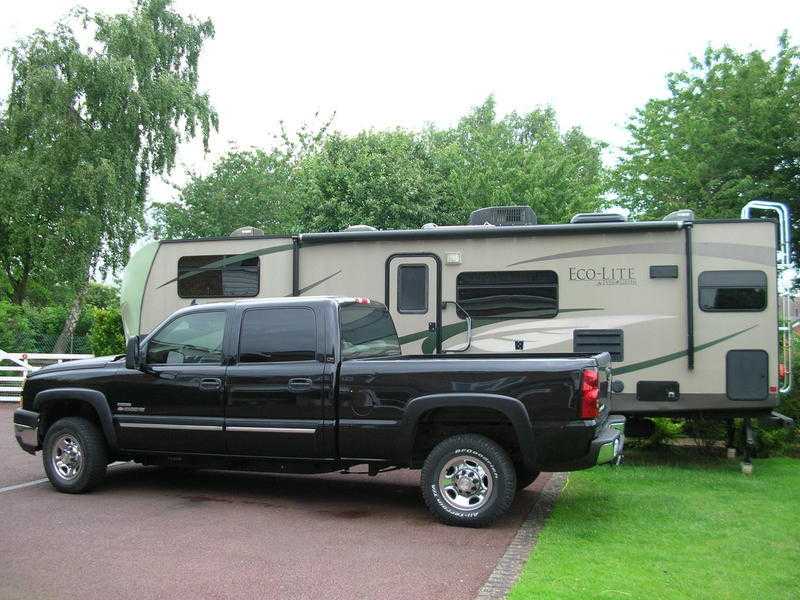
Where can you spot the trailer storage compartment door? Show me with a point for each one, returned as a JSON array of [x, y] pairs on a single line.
[[747, 374]]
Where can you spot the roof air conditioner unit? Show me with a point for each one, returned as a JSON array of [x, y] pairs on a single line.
[[503, 216]]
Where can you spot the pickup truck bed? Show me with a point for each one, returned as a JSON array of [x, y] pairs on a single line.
[[384, 404]]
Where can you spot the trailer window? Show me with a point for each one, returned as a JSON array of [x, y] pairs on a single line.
[[367, 331], [733, 291], [508, 294], [412, 289], [218, 276], [271, 335]]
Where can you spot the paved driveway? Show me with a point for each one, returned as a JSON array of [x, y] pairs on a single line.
[[149, 534]]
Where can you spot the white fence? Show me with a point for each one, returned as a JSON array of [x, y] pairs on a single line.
[[12, 376]]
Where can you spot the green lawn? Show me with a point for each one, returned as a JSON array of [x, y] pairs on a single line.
[[681, 530]]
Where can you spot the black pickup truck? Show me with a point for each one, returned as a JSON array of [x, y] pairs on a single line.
[[310, 385]]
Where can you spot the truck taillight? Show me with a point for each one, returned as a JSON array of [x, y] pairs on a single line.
[[590, 394], [362, 300], [781, 370]]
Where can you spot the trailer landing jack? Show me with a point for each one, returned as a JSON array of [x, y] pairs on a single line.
[[749, 446], [730, 439]]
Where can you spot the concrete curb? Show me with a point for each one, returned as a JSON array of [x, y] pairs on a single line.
[[508, 568]]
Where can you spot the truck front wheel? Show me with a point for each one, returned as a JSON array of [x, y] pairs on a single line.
[[75, 455], [468, 480]]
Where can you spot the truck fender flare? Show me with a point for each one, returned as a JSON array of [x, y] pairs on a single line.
[[93, 398], [513, 409]]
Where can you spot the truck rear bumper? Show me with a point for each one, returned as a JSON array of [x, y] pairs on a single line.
[[26, 429], [608, 446]]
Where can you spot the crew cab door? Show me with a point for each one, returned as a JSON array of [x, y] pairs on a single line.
[[275, 387], [414, 300], [175, 402]]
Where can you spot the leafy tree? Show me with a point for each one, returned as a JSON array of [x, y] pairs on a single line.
[[83, 132], [386, 179], [520, 159], [253, 187], [244, 188], [728, 133], [106, 336], [395, 179], [401, 179]]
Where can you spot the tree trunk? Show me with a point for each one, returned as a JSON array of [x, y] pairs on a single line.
[[19, 286], [74, 315]]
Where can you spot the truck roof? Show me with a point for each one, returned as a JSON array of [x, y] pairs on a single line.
[[305, 300]]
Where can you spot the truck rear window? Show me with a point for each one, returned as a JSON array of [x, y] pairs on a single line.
[[367, 331]]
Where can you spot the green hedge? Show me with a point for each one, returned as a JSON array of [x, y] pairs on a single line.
[[29, 328]]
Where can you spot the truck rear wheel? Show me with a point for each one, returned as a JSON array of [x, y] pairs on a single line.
[[468, 480], [75, 455]]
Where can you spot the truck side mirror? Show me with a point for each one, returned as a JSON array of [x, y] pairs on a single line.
[[133, 357]]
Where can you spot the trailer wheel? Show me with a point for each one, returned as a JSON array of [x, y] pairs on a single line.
[[468, 480]]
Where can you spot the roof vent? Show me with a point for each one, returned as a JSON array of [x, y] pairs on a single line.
[[502, 216], [360, 228], [598, 218], [430, 226], [684, 214], [247, 232]]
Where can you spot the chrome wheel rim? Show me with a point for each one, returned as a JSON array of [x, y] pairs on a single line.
[[465, 483], [67, 457]]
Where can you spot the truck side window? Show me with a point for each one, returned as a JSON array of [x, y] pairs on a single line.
[[218, 276], [190, 339], [278, 335], [508, 294], [412, 289], [367, 331], [732, 291]]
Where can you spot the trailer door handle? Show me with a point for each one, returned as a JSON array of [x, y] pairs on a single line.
[[299, 384], [210, 383]]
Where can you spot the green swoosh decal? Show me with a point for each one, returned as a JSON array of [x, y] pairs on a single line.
[[232, 259], [448, 331], [660, 360], [311, 286]]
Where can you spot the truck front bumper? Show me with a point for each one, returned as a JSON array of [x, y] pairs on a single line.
[[26, 429]]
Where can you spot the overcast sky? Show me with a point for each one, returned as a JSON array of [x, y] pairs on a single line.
[[387, 64]]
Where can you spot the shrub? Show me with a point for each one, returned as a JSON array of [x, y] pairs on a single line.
[[106, 336], [664, 432]]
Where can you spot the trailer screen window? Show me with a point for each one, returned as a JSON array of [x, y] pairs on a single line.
[[218, 276], [508, 294], [412, 289], [729, 291]]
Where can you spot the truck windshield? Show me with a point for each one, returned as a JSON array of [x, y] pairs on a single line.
[[367, 331]]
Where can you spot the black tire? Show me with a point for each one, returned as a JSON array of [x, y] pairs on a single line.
[[524, 476], [488, 459], [91, 445]]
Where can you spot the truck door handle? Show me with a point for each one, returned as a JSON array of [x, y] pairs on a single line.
[[210, 383], [299, 384]]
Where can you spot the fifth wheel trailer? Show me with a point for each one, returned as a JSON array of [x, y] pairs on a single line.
[[692, 311]]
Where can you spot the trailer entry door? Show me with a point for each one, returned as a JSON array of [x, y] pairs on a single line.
[[413, 295]]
